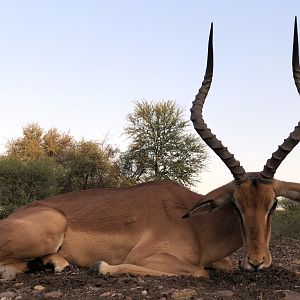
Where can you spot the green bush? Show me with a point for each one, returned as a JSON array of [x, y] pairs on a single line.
[[22, 182], [286, 223]]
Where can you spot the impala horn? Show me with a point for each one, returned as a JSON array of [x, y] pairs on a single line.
[[287, 146], [200, 126]]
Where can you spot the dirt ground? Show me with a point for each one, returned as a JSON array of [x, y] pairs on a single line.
[[281, 281]]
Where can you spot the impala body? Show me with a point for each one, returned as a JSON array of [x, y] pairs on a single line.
[[137, 229], [156, 228]]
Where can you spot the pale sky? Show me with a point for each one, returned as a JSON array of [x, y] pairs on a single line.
[[79, 65]]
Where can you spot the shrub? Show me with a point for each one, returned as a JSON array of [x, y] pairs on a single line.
[[22, 182], [286, 223]]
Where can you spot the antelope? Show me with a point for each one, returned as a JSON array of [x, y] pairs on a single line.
[[153, 228]]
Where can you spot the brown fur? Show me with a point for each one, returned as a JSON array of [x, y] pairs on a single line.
[[140, 229], [137, 226]]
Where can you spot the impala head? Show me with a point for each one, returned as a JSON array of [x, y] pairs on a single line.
[[253, 195]]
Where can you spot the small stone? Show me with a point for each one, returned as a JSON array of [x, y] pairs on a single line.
[[7, 295], [290, 295], [106, 294], [140, 280], [184, 294], [169, 292], [117, 295], [296, 262], [19, 297], [224, 294], [39, 288], [35, 293], [25, 289], [144, 292], [54, 294]]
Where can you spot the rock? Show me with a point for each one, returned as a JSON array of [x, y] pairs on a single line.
[[184, 294], [117, 295], [24, 289], [19, 297], [106, 294], [54, 294], [140, 280], [169, 292], [39, 288], [144, 292], [296, 262], [290, 295], [223, 294], [7, 295]]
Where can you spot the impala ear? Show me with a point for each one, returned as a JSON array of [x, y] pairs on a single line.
[[290, 190], [203, 207]]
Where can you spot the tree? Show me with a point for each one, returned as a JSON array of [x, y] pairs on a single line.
[[35, 143], [86, 164], [29, 146], [89, 165], [161, 146]]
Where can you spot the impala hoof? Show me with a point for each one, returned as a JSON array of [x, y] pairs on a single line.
[[95, 269]]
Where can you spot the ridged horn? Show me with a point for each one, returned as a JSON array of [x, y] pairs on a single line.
[[200, 126], [287, 146]]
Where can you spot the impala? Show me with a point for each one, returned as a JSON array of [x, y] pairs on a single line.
[[153, 228]]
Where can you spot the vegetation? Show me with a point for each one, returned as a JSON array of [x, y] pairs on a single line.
[[40, 163], [285, 223], [90, 164], [85, 164], [161, 147], [21, 182]]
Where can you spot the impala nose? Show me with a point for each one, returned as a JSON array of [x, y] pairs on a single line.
[[256, 263]]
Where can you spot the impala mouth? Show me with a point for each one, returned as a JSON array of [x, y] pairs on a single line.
[[252, 268], [256, 264]]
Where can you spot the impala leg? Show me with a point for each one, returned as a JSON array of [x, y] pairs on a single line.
[[157, 265], [224, 264], [104, 268], [169, 263], [56, 260], [28, 234], [9, 272]]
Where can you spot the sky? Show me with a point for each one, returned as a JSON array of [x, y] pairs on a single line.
[[80, 65]]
